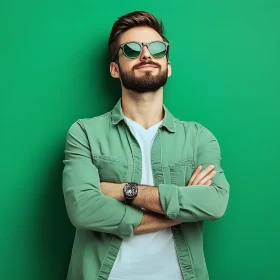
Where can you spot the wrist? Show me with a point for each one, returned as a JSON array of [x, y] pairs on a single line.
[[119, 191]]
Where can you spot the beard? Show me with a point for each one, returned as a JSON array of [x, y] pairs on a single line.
[[147, 83]]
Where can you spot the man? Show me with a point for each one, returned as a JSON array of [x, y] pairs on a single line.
[[138, 183]]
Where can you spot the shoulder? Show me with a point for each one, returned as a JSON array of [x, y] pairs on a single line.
[[194, 129], [96, 123], [189, 126]]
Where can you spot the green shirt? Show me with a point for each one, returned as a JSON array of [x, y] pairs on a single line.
[[104, 149]]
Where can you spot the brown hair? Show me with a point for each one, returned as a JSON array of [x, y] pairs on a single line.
[[128, 21]]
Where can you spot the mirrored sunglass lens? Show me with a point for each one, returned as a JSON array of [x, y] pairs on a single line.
[[132, 50], [157, 49]]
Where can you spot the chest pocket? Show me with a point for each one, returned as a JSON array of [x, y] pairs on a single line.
[[181, 171], [110, 169]]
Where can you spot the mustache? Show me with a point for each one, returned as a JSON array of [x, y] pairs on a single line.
[[145, 63]]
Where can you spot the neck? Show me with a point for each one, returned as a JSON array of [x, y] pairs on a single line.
[[143, 108]]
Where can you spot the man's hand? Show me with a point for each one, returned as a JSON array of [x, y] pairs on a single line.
[[202, 177]]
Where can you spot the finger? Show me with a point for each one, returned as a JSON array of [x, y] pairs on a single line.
[[203, 173], [195, 173], [208, 183], [206, 178]]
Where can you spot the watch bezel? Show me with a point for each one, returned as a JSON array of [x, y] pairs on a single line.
[[127, 196]]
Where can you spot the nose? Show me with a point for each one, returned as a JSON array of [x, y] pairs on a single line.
[[145, 55]]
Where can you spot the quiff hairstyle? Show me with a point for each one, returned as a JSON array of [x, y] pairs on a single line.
[[128, 21]]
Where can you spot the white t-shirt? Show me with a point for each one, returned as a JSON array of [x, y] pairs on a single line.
[[147, 256]]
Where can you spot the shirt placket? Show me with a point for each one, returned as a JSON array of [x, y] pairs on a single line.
[[183, 253]]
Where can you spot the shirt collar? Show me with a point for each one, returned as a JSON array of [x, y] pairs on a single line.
[[168, 120]]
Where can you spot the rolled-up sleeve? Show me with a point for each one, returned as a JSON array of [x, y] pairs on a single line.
[[86, 206], [198, 202]]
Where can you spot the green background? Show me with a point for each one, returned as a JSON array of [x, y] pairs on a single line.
[[55, 70]]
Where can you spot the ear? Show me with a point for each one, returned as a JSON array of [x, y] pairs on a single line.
[[114, 70], [169, 68]]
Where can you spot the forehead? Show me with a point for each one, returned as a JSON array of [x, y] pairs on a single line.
[[140, 34]]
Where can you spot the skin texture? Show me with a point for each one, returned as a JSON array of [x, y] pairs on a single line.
[[154, 222], [148, 197]]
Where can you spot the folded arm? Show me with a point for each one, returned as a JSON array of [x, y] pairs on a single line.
[[191, 203], [198, 202], [154, 222], [87, 207]]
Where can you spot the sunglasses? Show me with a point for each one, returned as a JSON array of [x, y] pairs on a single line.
[[157, 49]]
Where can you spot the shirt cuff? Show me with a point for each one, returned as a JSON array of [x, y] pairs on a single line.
[[131, 219], [169, 199]]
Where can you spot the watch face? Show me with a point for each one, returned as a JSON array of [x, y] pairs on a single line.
[[131, 190]]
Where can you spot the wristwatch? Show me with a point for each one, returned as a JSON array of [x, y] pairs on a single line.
[[130, 191]]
